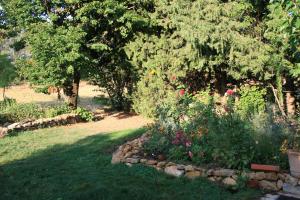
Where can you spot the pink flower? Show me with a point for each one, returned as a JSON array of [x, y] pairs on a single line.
[[181, 92], [230, 92], [188, 143], [176, 141], [173, 77], [190, 154]]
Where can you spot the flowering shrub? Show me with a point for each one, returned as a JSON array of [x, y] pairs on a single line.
[[195, 132]]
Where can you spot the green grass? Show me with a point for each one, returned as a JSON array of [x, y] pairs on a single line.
[[61, 164]]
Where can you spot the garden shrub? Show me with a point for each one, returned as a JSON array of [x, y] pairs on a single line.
[[19, 112], [56, 110], [84, 114], [252, 101]]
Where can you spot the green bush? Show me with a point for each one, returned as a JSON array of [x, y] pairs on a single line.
[[84, 114], [19, 112], [252, 101], [56, 110]]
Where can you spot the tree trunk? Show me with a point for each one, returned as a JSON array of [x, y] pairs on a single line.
[[71, 90], [3, 93], [290, 97]]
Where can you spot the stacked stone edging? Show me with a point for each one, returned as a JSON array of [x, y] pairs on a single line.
[[40, 123], [130, 153]]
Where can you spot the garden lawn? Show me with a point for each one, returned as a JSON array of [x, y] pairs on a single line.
[[61, 164]]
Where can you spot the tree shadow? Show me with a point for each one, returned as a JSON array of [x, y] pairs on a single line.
[[83, 171]]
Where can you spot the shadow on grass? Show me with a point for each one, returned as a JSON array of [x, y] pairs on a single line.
[[83, 171]]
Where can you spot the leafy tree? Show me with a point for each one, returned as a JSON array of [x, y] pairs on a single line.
[[203, 43], [7, 73], [283, 32]]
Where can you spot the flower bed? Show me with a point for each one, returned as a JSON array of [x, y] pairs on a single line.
[[132, 153]]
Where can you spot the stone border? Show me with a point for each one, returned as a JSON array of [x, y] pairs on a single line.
[[42, 123], [130, 154]]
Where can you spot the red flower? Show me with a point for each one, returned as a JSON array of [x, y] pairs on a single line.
[[181, 92], [230, 92]]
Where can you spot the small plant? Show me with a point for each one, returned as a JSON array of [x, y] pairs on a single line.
[[84, 114], [57, 110]]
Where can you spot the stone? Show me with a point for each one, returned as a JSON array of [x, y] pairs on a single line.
[[116, 158], [271, 176], [180, 167], [256, 176], [170, 164], [3, 131], [212, 179], [253, 183], [192, 174], [129, 164], [282, 176], [279, 184], [12, 126], [267, 185], [151, 162], [189, 168], [210, 172], [161, 164], [291, 180], [229, 181], [235, 177], [132, 160], [224, 172], [172, 170], [288, 188], [143, 160]]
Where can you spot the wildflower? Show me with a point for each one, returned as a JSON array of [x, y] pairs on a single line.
[[173, 77], [181, 92], [229, 92], [190, 154], [188, 143], [290, 14]]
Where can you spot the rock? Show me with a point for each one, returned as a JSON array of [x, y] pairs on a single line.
[[256, 176], [180, 167], [229, 181], [189, 168], [3, 131], [170, 164], [291, 180], [271, 176], [210, 172], [235, 177], [192, 174], [161, 164], [253, 183], [267, 185], [212, 179], [116, 158], [288, 188], [224, 172], [129, 164], [143, 161], [13, 126], [279, 184], [151, 162], [172, 170], [132, 160], [282, 176]]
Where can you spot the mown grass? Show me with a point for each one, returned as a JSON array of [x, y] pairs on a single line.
[[69, 164]]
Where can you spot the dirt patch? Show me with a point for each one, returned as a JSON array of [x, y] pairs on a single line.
[[25, 94]]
